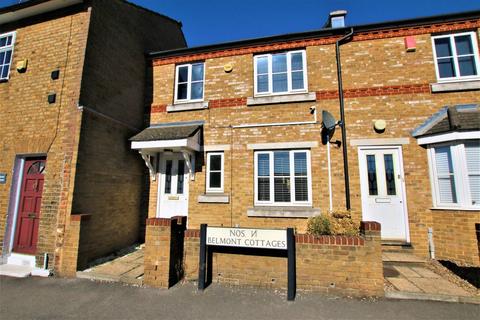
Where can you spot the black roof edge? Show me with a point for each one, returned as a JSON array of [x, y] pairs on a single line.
[[318, 33], [31, 3], [153, 12], [21, 5]]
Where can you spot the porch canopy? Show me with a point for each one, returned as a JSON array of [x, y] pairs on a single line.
[[182, 137]]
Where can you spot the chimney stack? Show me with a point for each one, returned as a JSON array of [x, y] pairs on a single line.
[[337, 19]]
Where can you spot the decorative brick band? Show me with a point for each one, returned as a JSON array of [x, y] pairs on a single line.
[[192, 233], [221, 103], [163, 222], [361, 36], [375, 91], [370, 226], [158, 108], [80, 217], [325, 95], [330, 240]]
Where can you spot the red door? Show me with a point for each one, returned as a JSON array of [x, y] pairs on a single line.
[[26, 231]]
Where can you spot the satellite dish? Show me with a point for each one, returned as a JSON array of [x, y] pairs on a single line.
[[329, 123]]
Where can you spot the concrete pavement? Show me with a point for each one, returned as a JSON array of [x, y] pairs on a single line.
[[51, 298]]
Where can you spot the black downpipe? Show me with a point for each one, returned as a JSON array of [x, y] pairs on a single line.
[[342, 117]]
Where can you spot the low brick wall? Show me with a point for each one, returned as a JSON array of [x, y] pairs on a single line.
[[333, 264], [164, 251]]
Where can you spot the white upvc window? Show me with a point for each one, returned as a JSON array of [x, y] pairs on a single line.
[[215, 172], [280, 73], [456, 56], [455, 174], [7, 42], [283, 178], [189, 82]]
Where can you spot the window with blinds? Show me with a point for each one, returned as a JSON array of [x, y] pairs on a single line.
[[456, 174], [282, 177]]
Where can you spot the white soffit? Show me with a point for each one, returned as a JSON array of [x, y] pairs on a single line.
[[36, 9]]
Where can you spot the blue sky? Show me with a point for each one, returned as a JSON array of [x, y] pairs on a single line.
[[214, 21]]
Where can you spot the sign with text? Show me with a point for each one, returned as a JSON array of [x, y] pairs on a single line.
[[248, 238]]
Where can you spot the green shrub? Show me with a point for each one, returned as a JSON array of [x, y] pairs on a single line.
[[319, 225], [336, 222]]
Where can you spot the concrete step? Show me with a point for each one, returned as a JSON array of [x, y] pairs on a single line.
[[17, 271], [21, 260]]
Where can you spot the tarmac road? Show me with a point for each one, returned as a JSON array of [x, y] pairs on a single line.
[[52, 298]]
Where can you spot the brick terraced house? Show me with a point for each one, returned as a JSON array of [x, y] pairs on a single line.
[[234, 139], [72, 88]]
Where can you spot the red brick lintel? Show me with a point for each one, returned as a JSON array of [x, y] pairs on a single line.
[[323, 95], [361, 36], [165, 222]]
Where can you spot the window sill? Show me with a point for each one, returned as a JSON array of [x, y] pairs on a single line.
[[285, 98], [455, 86], [187, 106], [454, 209], [283, 212], [214, 198]]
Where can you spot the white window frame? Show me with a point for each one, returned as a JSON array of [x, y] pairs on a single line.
[[292, 181], [189, 83], [289, 74], [460, 176], [473, 37], [7, 48], [222, 170]]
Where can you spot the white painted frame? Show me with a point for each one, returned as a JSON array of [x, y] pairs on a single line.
[[460, 176], [292, 180], [222, 170], [451, 37], [189, 83], [17, 204], [289, 74], [7, 48], [403, 189], [161, 180]]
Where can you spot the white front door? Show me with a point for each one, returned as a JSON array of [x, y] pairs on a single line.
[[383, 190], [173, 186]]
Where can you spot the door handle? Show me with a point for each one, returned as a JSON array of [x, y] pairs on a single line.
[[32, 215]]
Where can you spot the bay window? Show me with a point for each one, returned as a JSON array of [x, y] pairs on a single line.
[[455, 169], [283, 177]]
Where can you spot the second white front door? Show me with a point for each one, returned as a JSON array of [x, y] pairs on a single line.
[[383, 191], [173, 186]]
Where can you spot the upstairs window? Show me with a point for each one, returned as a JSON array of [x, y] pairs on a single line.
[[189, 80], [283, 178], [456, 56], [215, 172], [456, 174], [280, 73], [7, 41]]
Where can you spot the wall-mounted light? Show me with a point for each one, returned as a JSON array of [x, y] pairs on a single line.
[[379, 125], [22, 65], [228, 68]]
